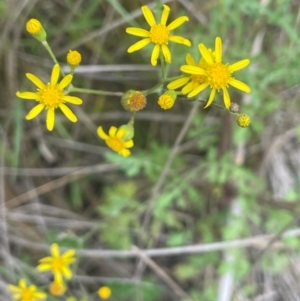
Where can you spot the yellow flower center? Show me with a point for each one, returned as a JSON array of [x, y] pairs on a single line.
[[136, 101], [104, 292], [159, 34], [56, 288], [57, 264], [115, 144], [51, 96], [27, 295], [33, 26], [218, 75], [166, 102]]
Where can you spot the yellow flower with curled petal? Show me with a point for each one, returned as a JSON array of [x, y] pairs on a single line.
[[50, 97], [117, 139], [73, 58], [23, 292], [57, 288], [57, 264], [158, 34], [35, 28], [189, 81], [218, 75]]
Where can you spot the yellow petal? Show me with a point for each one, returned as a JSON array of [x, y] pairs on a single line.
[[239, 65], [218, 49], [192, 70], [177, 22], [120, 133], [67, 272], [54, 248], [68, 113], [65, 81], [155, 54], [166, 52], [112, 131], [148, 15], [101, 133], [72, 99], [226, 98], [197, 90], [129, 144], [205, 53], [13, 288], [69, 253], [125, 152], [177, 83], [180, 40], [40, 295], [58, 277], [50, 119], [55, 74], [188, 88], [138, 45], [165, 15], [239, 85], [44, 267], [35, 80], [46, 259], [22, 283], [35, 111], [139, 32], [190, 60], [27, 95], [211, 98]]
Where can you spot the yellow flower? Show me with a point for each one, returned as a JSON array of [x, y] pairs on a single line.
[[35, 28], [158, 34], [167, 100], [50, 96], [73, 58], [57, 264], [24, 293], [116, 140], [190, 82], [57, 288], [218, 75], [104, 292], [243, 120]]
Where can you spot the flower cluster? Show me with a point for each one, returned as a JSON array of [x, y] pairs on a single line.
[[210, 72]]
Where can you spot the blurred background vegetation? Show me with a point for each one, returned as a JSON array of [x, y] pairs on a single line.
[[194, 177]]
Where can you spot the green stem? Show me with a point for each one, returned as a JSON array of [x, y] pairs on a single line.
[[98, 92], [153, 89], [162, 62], [48, 48]]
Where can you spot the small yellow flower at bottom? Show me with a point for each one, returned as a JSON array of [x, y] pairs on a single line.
[[23, 292], [243, 120], [50, 97], [35, 28], [58, 264], [57, 288], [104, 292], [167, 100], [116, 140], [73, 58]]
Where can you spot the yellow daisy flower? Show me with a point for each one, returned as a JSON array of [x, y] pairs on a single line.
[[50, 96], [24, 293], [218, 75], [116, 140], [190, 82], [57, 264], [158, 34]]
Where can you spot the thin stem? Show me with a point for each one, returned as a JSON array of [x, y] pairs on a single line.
[[98, 92], [48, 48], [153, 89]]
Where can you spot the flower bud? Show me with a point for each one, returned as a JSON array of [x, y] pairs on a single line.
[[35, 28], [57, 288], [167, 100], [243, 120], [133, 101], [73, 58], [129, 131]]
